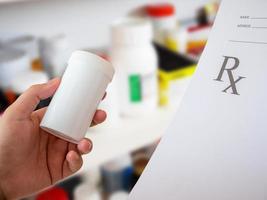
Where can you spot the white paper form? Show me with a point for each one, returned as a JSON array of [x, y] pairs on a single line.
[[216, 147]]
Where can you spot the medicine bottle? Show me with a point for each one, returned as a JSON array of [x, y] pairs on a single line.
[[135, 61], [163, 19], [74, 104]]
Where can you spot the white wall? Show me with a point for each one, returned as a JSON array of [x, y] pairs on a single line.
[[85, 22]]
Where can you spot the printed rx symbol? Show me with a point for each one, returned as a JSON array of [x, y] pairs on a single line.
[[233, 81]]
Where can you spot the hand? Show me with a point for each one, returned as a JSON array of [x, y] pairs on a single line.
[[30, 158]]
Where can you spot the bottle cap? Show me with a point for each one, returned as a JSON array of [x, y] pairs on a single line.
[[86, 58], [132, 31], [53, 194], [160, 10]]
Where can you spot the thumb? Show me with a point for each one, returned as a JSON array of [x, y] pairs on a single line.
[[23, 107]]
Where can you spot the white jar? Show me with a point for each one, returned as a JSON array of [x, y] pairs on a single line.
[[24, 80], [12, 63], [74, 104], [135, 61]]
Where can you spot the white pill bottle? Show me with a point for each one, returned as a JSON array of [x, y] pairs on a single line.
[[82, 87], [135, 60]]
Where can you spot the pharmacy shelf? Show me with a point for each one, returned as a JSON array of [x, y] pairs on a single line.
[[12, 1], [129, 134]]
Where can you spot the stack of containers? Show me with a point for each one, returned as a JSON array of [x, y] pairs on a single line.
[[30, 45], [12, 62], [55, 51], [167, 32], [163, 20], [20, 66], [197, 39], [135, 61]]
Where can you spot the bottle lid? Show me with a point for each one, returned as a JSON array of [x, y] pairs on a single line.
[[53, 194], [93, 60], [160, 10], [132, 31]]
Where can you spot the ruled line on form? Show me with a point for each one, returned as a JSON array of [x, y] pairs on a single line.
[[259, 27], [247, 42], [258, 18]]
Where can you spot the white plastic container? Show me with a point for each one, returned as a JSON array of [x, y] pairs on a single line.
[[135, 61], [74, 104], [12, 63], [176, 40], [55, 51], [163, 19], [28, 44], [24, 80], [110, 105]]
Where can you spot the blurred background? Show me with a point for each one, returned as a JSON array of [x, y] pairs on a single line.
[[154, 47]]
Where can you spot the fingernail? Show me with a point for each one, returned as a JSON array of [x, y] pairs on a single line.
[[90, 148]]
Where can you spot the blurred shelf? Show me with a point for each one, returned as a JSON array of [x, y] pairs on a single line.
[[128, 134], [9, 1], [13, 1]]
